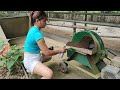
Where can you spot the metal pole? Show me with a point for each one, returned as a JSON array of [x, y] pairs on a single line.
[[85, 18], [74, 23]]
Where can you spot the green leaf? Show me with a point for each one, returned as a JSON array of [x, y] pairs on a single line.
[[8, 55], [1, 44], [20, 59], [20, 50], [15, 57], [4, 58], [10, 64], [2, 63], [12, 51]]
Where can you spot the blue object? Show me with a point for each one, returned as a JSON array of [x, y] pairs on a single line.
[[33, 36]]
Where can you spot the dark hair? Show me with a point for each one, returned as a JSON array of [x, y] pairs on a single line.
[[37, 15]]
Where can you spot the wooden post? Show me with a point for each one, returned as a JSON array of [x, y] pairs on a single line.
[[48, 16], [74, 29], [74, 23], [28, 14], [85, 18]]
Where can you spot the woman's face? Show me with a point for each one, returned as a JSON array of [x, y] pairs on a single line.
[[42, 22]]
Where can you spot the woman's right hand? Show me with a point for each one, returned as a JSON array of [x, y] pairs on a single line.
[[63, 50]]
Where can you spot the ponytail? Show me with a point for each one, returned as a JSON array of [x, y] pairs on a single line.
[[37, 15], [31, 15]]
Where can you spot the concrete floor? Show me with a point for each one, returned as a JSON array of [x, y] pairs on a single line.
[[53, 64]]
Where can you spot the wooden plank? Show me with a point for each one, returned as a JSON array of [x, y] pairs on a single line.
[[61, 44], [56, 32], [96, 76], [112, 43], [109, 36], [83, 50], [83, 13], [75, 26], [54, 42]]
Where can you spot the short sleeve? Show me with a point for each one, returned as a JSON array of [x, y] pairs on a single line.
[[38, 36]]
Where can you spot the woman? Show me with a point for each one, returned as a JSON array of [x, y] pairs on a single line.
[[34, 44]]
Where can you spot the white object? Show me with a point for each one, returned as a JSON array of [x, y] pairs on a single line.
[[61, 55], [110, 72]]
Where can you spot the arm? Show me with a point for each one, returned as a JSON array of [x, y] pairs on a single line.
[[42, 45]]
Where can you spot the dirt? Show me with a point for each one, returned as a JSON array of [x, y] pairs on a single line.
[[53, 64]]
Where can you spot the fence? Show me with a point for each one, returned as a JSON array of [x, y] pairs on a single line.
[[85, 21]]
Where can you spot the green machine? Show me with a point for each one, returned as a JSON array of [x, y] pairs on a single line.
[[87, 48]]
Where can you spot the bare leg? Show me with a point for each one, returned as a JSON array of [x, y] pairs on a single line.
[[44, 71]]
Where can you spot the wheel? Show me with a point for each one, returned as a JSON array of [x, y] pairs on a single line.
[[63, 67]]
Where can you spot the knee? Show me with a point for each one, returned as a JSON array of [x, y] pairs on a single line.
[[49, 74]]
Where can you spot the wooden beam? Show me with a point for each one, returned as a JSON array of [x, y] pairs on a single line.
[[83, 50], [112, 43], [80, 13], [97, 76], [86, 22], [75, 26]]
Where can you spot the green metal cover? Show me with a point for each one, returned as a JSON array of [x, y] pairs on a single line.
[[83, 59]]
